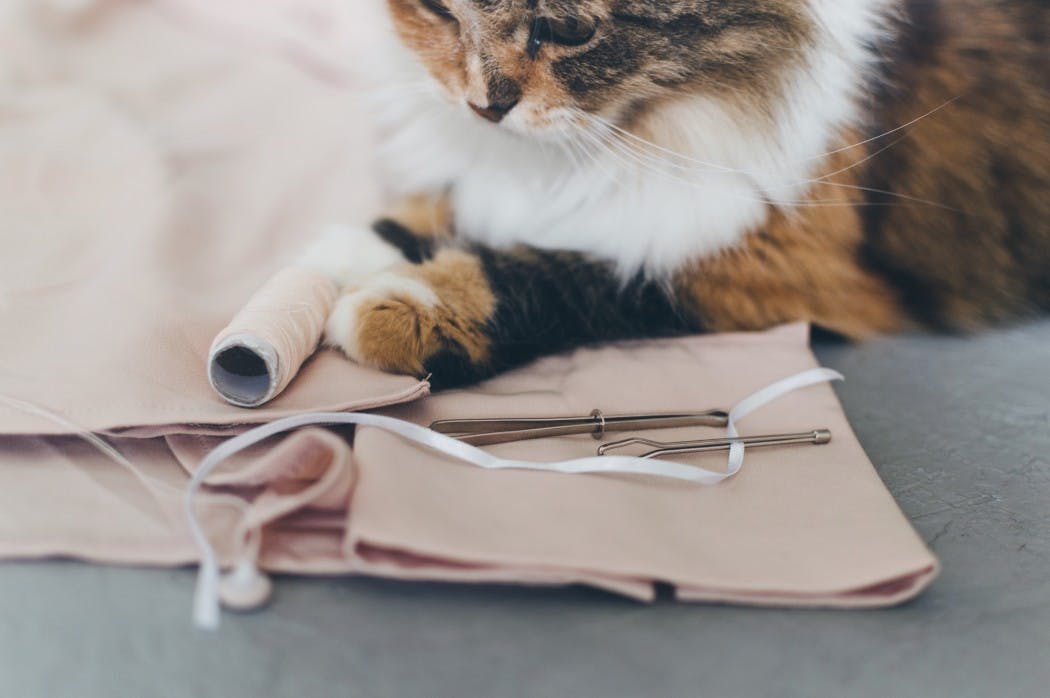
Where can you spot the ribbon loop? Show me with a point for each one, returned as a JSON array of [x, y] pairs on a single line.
[[207, 596]]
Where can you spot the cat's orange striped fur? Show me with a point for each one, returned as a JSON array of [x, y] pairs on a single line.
[[603, 169]]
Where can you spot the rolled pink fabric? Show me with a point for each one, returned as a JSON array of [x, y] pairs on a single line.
[[259, 353]]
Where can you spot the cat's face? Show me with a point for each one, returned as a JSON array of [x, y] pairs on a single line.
[[546, 67]]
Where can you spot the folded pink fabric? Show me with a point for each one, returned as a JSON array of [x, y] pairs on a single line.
[[153, 177], [801, 525], [806, 526]]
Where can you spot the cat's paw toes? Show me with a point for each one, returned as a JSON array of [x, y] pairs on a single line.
[[389, 323], [349, 253], [407, 321]]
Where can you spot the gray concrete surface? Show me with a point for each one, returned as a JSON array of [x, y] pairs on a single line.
[[958, 427]]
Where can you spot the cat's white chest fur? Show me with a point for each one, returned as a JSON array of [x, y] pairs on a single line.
[[633, 204], [507, 190]]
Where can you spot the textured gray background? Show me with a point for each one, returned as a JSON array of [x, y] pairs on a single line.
[[958, 427]]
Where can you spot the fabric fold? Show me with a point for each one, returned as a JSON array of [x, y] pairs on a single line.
[[154, 176], [810, 526], [799, 526], [145, 195]]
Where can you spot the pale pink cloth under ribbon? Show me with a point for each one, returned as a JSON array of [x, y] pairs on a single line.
[[230, 159]]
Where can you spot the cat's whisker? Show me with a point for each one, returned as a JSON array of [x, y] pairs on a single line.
[[621, 151], [822, 181], [821, 156], [665, 151], [630, 159], [637, 154], [656, 164], [567, 150], [633, 148], [898, 129], [636, 144], [598, 148]]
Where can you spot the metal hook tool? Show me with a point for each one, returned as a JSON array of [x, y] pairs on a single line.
[[817, 437], [486, 432]]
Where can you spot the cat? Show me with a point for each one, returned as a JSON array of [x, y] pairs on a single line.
[[581, 171]]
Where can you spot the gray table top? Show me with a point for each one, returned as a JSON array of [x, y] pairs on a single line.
[[958, 427]]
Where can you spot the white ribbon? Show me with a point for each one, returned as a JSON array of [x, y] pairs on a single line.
[[206, 598]]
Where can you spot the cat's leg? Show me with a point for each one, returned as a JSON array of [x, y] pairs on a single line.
[[464, 313], [416, 225], [461, 314], [348, 254]]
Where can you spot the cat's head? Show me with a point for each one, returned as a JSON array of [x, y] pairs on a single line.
[[544, 67]]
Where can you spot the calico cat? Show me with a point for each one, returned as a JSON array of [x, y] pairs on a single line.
[[577, 171]]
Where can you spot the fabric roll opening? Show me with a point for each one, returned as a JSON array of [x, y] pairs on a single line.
[[258, 355], [245, 370]]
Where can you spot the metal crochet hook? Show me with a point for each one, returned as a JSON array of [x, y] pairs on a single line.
[[485, 432], [818, 437]]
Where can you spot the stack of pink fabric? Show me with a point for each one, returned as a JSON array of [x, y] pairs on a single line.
[[154, 176]]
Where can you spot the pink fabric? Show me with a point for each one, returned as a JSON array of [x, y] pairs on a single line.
[[199, 169], [319, 35], [809, 526], [153, 177]]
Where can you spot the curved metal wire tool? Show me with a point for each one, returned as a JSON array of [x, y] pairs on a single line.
[[817, 437]]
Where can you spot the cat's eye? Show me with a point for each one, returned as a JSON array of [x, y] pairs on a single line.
[[571, 31], [439, 8], [566, 31]]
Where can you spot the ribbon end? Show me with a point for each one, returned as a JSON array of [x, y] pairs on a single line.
[[206, 602]]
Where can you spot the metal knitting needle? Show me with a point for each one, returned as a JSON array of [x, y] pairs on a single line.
[[485, 432], [818, 437]]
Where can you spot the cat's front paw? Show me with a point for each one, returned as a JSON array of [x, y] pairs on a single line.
[[386, 323], [410, 319]]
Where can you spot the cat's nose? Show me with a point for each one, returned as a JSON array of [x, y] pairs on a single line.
[[495, 111]]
